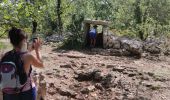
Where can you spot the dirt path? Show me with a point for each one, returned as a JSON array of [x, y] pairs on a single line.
[[131, 79]]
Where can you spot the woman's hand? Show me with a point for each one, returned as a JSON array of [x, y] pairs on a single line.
[[37, 44]]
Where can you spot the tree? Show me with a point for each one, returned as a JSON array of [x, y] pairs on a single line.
[[59, 21], [129, 17], [138, 17]]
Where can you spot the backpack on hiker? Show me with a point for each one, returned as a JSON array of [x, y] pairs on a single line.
[[12, 74]]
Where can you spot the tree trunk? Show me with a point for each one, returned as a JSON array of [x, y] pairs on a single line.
[[138, 18], [59, 12], [34, 29]]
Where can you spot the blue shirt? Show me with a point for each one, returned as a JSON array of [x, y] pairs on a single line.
[[93, 31]]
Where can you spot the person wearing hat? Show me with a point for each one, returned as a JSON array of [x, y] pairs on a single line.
[[93, 33]]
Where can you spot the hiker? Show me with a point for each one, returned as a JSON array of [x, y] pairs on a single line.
[[16, 80], [93, 33]]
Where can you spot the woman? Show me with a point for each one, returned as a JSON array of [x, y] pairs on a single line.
[[18, 39], [93, 33]]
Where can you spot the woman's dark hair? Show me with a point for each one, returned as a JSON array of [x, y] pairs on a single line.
[[16, 36]]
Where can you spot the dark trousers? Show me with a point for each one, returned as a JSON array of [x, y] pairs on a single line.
[[27, 95]]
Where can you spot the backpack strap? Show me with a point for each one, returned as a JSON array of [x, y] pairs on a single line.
[[29, 74]]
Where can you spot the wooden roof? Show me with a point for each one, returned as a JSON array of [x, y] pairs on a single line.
[[97, 22]]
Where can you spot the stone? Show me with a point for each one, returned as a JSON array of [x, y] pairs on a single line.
[[88, 75], [94, 95], [54, 38], [141, 98], [51, 91], [41, 77], [98, 76], [41, 85], [98, 86], [66, 66], [119, 69], [107, 81], [151, 74], [131, 47], [49, 73], [111, 66], [152, 86], [67, 92], [144, 77], [75, 56], [116, 44], [116, 52], [167, 52], [91, 88], [154, 45], [131, 97], [160, 78], [132, 74], [87, 90], [42, 90], [84, 91], [80, 97]]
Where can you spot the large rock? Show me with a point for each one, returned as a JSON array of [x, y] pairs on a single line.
[[95, 75], [54, 38], [132, 45], [115, 42], [154, 46], [89, 75]]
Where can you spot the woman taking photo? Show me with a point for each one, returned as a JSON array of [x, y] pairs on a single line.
[[16, 80]]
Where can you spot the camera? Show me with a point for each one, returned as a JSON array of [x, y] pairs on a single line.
[[34, 40]]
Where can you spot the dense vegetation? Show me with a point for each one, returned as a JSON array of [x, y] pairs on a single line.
[[138, 18]]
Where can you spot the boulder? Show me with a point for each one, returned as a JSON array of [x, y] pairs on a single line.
[[54, 38], [89, 75], [132, 45], [153, 45], [115, 42]]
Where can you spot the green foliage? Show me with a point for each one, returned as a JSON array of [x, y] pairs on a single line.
[[135, 18], [74, 41], [2, 46]]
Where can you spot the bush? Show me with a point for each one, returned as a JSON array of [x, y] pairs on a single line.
[[73, 41]]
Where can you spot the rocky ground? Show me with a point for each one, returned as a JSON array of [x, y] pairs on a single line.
[[94, 75], [89, 75]]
